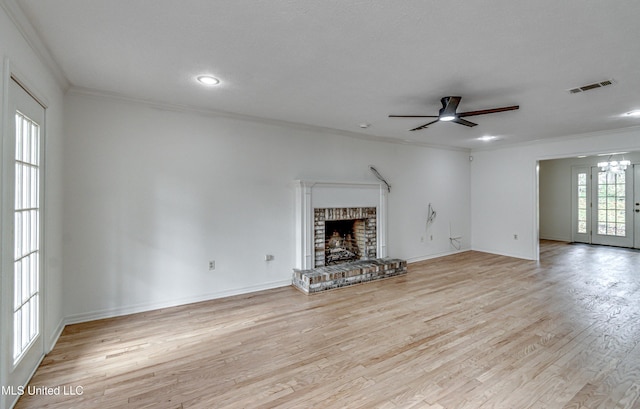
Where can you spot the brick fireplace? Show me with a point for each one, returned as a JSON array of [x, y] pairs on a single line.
[[344, 234], [341, 235], [320, 202]]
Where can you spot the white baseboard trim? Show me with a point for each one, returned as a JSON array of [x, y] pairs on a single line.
[[555, 238], [499, 253], [53, 338], [133, 309], [432, 256]]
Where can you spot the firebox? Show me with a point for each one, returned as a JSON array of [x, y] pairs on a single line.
[[344, 241], [344, 234]]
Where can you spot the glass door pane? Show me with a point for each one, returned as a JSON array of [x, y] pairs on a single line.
[[581, 209], [26, 235], [611, 217], [22, 241]]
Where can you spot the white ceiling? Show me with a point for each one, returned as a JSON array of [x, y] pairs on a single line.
[[338, 63]]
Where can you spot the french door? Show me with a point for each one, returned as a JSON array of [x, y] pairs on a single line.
[[636, 205], [21, 241], [604, 206]]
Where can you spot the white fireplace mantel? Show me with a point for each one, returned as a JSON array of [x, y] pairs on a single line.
[[313, 194]]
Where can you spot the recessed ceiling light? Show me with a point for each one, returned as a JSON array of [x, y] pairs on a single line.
[[635, 113], [487, 138], [208, 80], [364, 125]]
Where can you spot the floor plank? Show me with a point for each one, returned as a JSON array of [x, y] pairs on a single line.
[[471, 330]]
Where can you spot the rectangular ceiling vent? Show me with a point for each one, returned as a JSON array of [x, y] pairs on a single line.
[[591, 86]]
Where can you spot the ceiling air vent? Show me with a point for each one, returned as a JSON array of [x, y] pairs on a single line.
[[591, 86]]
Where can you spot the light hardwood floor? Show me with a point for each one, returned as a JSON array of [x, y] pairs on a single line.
[[470, 330]]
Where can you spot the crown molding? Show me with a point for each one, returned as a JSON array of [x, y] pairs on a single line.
[[563, 138], [164, 106], [32, 37]]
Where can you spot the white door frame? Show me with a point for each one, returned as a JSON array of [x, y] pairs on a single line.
[[632, 217], [26, 366], [636, 205], [611, 240]]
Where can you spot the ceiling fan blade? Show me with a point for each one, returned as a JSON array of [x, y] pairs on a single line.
[[424, 126], [449, 106], [463, 122], [488, 111], [413, 116]]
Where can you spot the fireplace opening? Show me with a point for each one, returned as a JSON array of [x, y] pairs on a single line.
[[344, 234], [345, 241]]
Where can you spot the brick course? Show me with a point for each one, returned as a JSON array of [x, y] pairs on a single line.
[[341, 275]]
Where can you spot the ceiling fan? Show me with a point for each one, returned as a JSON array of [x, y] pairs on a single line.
[[448, 113]]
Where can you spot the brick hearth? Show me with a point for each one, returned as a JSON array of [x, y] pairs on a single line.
[[341, 275]]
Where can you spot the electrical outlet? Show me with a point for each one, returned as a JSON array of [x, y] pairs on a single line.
[[212, 265], [268, 257], [515, 237]]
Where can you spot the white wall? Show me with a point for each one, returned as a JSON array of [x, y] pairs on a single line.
[[504, 195], [419, 177], [555, 199], [152, 195], [25, 64], [555, 193]]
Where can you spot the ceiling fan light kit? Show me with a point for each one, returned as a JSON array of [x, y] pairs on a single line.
[[448, 113]]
